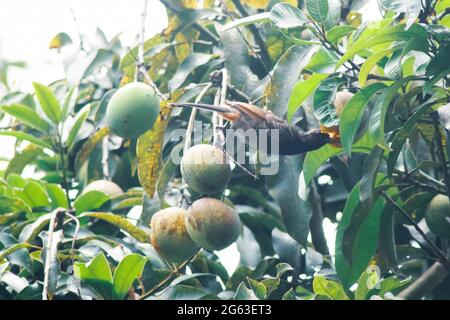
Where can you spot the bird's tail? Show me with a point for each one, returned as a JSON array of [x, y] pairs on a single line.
[[210, 107]]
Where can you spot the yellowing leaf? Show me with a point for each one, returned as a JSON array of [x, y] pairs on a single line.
[[354, 19], [149, 147], [60, 40], [120, 222], [259, 4], [89, 145]]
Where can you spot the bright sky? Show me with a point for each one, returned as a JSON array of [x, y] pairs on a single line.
[[27, 26]]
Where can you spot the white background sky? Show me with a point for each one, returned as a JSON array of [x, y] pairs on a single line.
[[27, 26]]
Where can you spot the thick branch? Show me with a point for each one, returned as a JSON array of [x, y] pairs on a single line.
[[426, 283], [439, 255]]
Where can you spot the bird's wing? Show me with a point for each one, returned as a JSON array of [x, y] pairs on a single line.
[[250, 110]]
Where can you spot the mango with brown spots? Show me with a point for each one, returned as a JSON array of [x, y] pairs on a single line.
[[205, 169], [169, 236], [212, 224]]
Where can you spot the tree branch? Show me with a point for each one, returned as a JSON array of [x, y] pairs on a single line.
[[439, 255], [141, 71], [169, 278], [190, 127], [426, 283]]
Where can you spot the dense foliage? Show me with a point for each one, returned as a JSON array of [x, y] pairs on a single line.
[[388, 159]]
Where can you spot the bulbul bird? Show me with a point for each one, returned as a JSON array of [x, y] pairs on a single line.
[[292, 140]]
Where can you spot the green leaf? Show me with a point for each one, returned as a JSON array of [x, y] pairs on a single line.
[[36, 194], [440, 60], [96, 274], [244, 293], [301, 91], [352, 114], [101, 109], [401, 137], [122, 223], [316, 158], [69, 102], [411, 8], [237, 61], [393, 284], [258, 289], [48, 102], [29, 154], [370, 168], [285, 16], [193, 61], [80, 119], [283, 187], [27, 115], [57, 196], [356, 240], [27, 137], [317, 9], [323, 104], [90, 200], [368, 280], [329, 288], [13, 248], [11, 205], [383, 35], [185, 292], [285, 75], [333, 15], [286, 247], [127, 271], [369, 64], [336, 33], [378, 117], [387, 248], [31, 231], [323, 61], [89, 146], [168, 171], [256, 18]]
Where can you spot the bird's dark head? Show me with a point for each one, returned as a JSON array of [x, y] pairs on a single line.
[[315, 139]]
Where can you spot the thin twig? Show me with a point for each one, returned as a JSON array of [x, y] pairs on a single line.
[[264, 54], [438, 253], [74, 239], [49, 253], [105, 156], [141, 71], [190, 127], [77, 26], [215, 121], [63, 167], [174, 272]]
